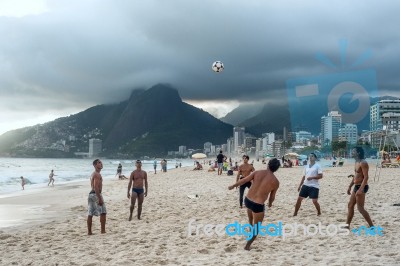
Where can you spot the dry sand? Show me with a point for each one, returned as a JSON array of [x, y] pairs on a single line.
[[161, 237]]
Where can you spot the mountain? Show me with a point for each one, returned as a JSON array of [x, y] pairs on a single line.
[[273, 117], [242, 113], [150, 123], [157, 121]]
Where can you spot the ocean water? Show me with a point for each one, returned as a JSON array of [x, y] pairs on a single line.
[[36, 171]]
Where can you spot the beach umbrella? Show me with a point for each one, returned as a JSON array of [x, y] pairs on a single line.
[[291, 155], [199, 156]]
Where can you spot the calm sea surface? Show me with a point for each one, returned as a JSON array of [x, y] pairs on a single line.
[[36, 171]]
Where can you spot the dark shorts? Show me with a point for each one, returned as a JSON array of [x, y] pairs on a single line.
[[357, 187], [307, 191], [138, 191], [254, 207], [247, 184]]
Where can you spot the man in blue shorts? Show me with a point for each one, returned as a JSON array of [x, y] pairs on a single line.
[[220, 161], [136, 181]]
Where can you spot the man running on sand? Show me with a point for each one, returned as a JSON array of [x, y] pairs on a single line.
[[361, 187], [264, 184], [136, 181], [51, 179], [96, 204]]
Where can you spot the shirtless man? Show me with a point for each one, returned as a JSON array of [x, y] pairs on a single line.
[[244, 170], [264, 184], [96, 204], [51, 179], [360, 181], [136, 181]]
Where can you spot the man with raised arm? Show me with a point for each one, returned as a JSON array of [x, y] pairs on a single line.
[[136, 180], [265, 184]]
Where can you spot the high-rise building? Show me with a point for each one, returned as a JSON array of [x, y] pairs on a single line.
[[250, 142], [391, 121], [302, 136], [95, 147], [182, 150], [238, 137], [348, 133], [229, 146], [207, 147], [330, 125], [380, 108], [258, 145], [268, 139]]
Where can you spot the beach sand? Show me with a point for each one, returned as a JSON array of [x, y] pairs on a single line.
[[58, 236]]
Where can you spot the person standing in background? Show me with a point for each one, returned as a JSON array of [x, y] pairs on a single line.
[[155, 166], [23, 183]]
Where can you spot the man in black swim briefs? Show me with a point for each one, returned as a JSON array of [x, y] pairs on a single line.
[[265, 184], [136, 180], [360, 180]]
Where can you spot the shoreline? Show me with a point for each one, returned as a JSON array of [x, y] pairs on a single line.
[[15, 206]]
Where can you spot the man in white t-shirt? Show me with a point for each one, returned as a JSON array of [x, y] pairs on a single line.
[[309, 185]]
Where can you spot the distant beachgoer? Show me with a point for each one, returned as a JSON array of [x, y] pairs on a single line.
[[198, 166], [96, 205], [265, 184], [386, 159], [136, 180], [225, 167], [23, 183], [244, 170], [51, 179], [360, 182], [220, 161], [180, 165], [155, 166], [164, 165], [309, 184], [176, 165], [119, 170]]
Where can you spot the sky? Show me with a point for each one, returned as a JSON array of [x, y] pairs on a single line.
[[60, 57]]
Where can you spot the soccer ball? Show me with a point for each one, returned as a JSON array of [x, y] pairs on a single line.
[[217, 66]]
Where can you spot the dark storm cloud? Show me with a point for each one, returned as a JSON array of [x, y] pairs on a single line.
[[82, 53]]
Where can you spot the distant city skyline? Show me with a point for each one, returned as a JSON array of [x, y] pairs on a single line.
[[58, 59]]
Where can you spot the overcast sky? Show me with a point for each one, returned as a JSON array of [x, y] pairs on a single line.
[[59, 57]]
